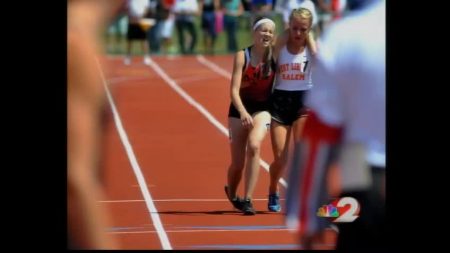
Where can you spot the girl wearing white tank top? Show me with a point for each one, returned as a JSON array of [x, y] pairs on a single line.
[[294, 70], [292, 80]]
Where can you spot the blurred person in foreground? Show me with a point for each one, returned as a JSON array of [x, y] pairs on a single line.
[[346, 125], [87, 219]]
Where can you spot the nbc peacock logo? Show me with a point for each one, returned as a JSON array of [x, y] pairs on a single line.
[[345, 209]]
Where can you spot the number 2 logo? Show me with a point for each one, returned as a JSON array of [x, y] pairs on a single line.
[[348, 209]]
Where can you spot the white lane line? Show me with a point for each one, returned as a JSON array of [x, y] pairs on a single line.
[[174, 200], [216, 68], [203, 230], [137, 170]]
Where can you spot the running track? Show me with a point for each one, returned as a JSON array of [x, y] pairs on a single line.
[[165, 157]]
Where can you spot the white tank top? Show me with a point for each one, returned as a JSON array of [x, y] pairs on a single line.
[[293, 71]]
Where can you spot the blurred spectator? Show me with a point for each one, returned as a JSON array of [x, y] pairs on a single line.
[[286, 7], [262, 7], [209, 9], [247, 5], [136, 10], [329, 10], [153, 31], [167, 24], [232, 10], [185, 12], [160, 35]]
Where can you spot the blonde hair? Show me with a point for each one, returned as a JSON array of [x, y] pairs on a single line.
[[301, 13]]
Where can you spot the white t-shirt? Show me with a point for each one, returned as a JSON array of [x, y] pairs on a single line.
[[185, 5], [350, 80], [137, 8]]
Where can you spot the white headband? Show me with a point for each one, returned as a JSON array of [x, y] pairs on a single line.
[[264, 20]]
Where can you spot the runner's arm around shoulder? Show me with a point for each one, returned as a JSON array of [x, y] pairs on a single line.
[[280, 42]]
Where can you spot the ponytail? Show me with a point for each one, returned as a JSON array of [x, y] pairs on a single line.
[[267, 60]]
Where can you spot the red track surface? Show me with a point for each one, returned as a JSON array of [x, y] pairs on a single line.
[[184, 159]]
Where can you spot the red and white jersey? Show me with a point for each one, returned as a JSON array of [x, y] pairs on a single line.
[[350, 80], [253, 86], [293, 71]]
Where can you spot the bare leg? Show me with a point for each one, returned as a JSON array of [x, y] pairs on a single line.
[[238, 142], [256, 136], [280, 142]]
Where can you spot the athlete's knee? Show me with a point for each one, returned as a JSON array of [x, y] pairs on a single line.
[[280, 158], [253, 147]]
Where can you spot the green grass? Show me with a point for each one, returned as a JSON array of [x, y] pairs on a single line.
[[117, 44]]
